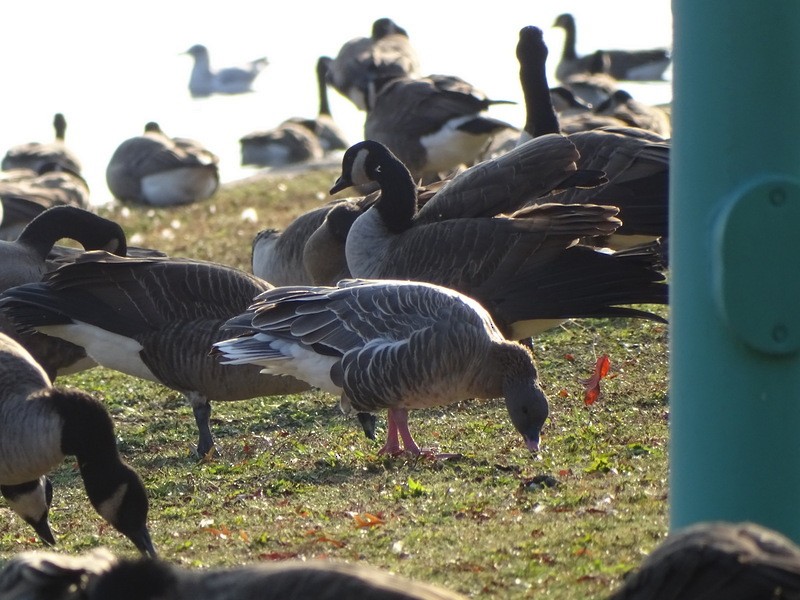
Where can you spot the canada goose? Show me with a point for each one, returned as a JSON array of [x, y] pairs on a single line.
[[635, 161], [525, 268], [392, 345], [153, 318], [34, 155], [155, 169], [716, 561], [24, 198], [99, 575], [205, 81], [433, 124], [286, 144], [635, 114], [363, 65], [639, 65], [330, 135], [40, 426]]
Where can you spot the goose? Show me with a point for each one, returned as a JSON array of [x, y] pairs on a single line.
[[636, 65], [433, 124], [24, 198], [153, 318], [161, 171], [526, 269], [280, 256], [288, 143], [99, 575], [35, 155], [717, 560], [205, 81], [40, 426], [635, 161], [636, 114], [363, 65], [394, 345], [330, 135]]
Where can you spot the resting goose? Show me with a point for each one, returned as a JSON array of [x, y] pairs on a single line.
[[153, 318], [433, 124], [638, 65], [635, 114], [635, 161], [717, 560], [363, 65], [284, 257], [393, 345], [39, 426], [525, 268], [330, 135], [99, 575], [287, 144], [35, 155], [155, 169], [24, 198], [205, 81]]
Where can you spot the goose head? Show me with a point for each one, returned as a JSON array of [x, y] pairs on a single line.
[[525, 400], [31, 501], [370, 161]]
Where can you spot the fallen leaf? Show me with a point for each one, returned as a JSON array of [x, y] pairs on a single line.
[[592, 385], [367, 520]]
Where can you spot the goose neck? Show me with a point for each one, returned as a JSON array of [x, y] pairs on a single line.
[[397, 204]]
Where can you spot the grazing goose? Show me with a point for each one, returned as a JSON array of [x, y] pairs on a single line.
[[525, 269], [394, 345], [637, 65], [24, 198], [153, 318], [364, 65], [433, 124], [717, 561], [205, 81], [99, 575], [287, 144], [155, 169], [635, 161], [40, 426], [35, 155]]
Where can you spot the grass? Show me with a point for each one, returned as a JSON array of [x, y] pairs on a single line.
[[298, 480]]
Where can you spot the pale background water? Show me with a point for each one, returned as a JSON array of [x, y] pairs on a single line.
[[112, 67]]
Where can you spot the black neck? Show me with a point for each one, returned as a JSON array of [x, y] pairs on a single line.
[[540, 116], [397, 204], [322, 83], [569, 52]]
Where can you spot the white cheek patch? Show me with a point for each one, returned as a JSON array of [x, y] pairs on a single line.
[[358, 174], [110, 508]]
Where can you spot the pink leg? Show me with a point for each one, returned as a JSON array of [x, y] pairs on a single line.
[[392, 445], [400, 416]]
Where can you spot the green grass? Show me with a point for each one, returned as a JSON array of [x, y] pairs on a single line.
[[298, 480]]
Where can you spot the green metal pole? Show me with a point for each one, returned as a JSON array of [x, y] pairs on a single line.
[[735, 264]]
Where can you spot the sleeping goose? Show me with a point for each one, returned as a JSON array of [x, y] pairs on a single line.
[[24, 198], [35, 155], [153, 318], [205, 81], [638, 65], [433, 124], [526, 269], [635, 161], [155, 169], [363, 65], [717, 560], [39, 426], [99, 575], [394, 345], [286, 144]]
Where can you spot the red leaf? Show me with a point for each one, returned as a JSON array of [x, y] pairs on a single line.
[[592, 385]]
